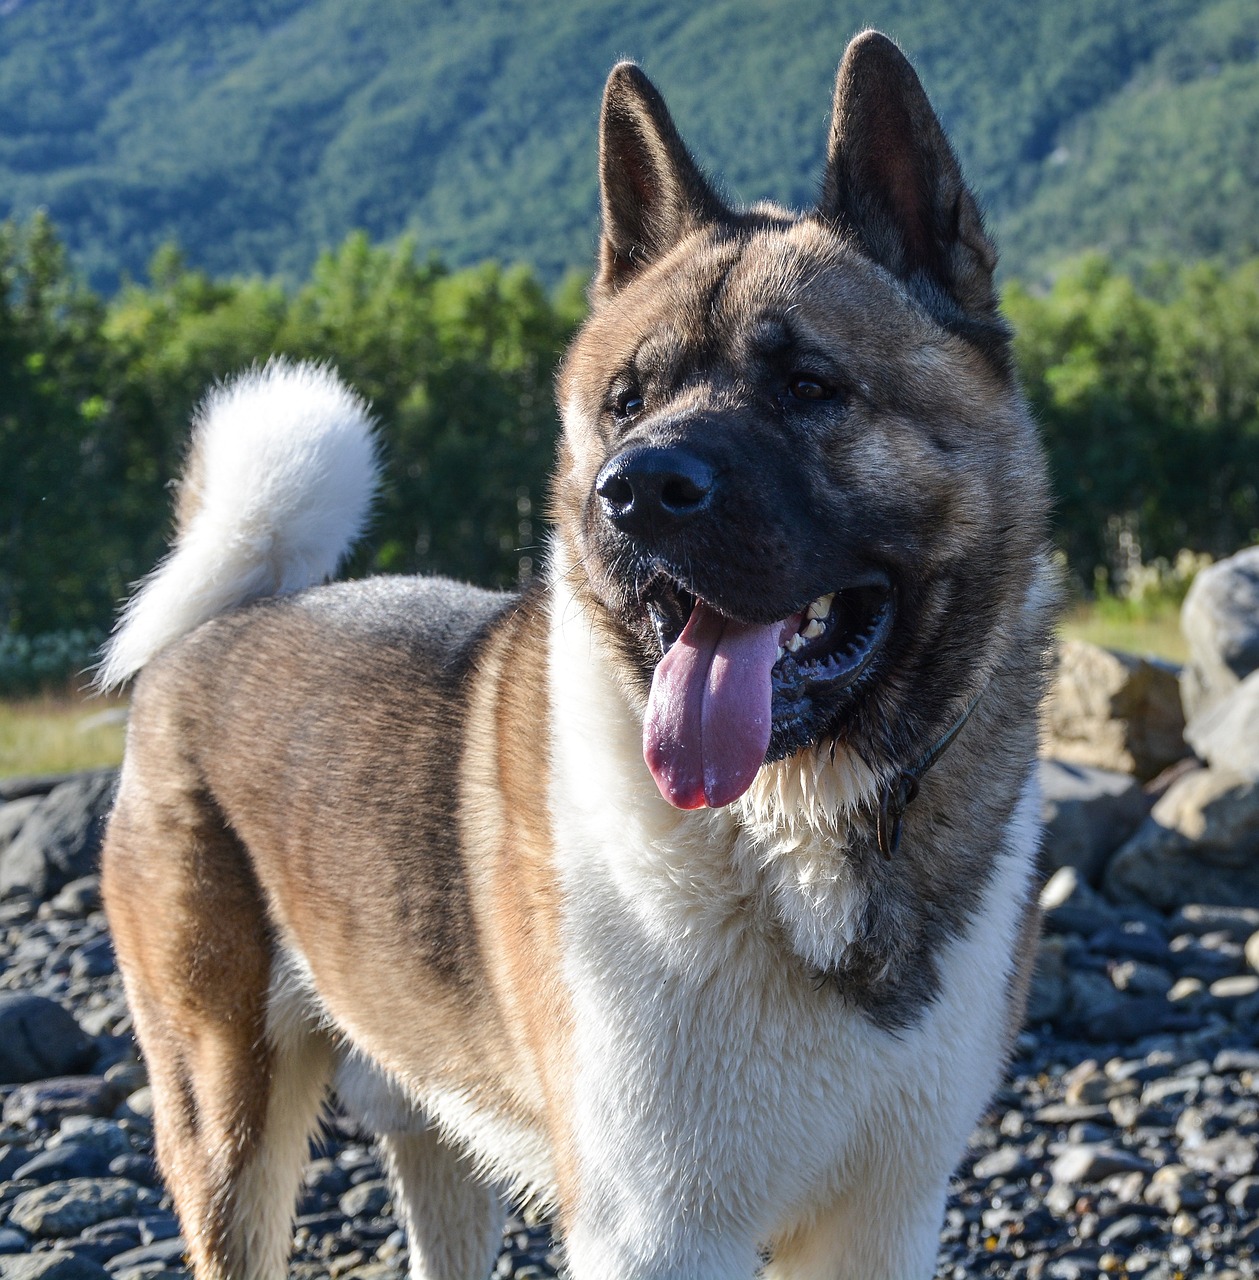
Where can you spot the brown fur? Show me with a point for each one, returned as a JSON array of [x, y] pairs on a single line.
[[341, 808]]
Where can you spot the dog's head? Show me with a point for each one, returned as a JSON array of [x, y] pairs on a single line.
[[797, 485]]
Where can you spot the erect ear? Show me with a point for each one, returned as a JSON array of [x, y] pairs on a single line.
[[652, 192], [893, 182]]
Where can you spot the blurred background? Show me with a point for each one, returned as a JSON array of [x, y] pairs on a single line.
[[409, 190]]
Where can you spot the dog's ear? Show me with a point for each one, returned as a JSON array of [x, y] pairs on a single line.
[[893, 182], [652, 191]]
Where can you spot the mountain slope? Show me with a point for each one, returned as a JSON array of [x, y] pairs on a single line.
[[258, 131]]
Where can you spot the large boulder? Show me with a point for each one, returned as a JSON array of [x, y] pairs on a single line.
[[1200, 844], [1088, 813], [59, 837], [1226, 734], [1220, 621], [1113, 711]]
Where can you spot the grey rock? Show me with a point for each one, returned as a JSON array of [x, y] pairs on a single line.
[[94, 959], [1047, 995], [1235, 988], [66, 1208], [1089, 1162], [1174, 1187], [56, 1265], [1005, 1162], [60, 839], [1127, 1231], [1202, 918], [66, 1160], [52, 1100], [1199, 844], [165, 1252], [13, 815], [1236, 1060], [106, 1136], [365, 1200], [1114, 711], [1220, 621], [1089, 813], [78, 898], [1226, 735], [38, 1038], [1140, 978], [1244, 1194], [1232, 1154]]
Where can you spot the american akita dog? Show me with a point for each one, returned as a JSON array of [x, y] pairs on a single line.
[[689, 892]]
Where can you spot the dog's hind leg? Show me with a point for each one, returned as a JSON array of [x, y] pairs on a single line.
[[453, 1221], [236, 1092]]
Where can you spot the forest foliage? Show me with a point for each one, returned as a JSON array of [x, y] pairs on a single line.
[[257, 132], [1148, 399]]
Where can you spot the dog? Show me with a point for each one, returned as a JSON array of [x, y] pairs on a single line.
[[689, 893]]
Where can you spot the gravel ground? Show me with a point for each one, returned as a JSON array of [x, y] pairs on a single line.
[[1126, 1142]]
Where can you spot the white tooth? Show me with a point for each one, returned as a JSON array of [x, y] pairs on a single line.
[[820, 607], [782, 653], [796, 642], [812, 630]]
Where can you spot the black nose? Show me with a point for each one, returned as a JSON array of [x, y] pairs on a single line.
[[652, 489]]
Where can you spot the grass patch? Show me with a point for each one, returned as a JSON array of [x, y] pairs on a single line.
[[59, 734], [1150, 633]]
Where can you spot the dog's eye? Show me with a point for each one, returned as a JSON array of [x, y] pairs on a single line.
[[628, 403], [803, 386]]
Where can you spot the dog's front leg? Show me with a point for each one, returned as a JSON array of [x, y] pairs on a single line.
[[634, 1243], [885, 1228]]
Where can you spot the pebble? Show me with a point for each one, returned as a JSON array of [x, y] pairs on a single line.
[[1125, 1142]]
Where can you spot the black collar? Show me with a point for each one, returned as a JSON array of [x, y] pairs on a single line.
[[897, 795]]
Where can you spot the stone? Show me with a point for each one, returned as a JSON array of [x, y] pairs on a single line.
[[365, 1200], [1007, 1162], [94, 959], [1199, 844], [166, 1252], [66, 1207], [1252, 951], [106, 1136], [78, 898], [38, 1038], [54, 1099], [1231, 1154], [1089, 1162], [1047, 995], [1220, 622], [66, 1160], [61, 837], [1200, 918], [1113, 711], [1089, 813], [1226, 735], [1174, 1187], [56, 1265], [13, 815]]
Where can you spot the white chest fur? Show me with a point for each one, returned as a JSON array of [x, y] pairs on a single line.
[[719, 1097]]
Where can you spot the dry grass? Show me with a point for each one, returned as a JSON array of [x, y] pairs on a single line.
[[58, 734]]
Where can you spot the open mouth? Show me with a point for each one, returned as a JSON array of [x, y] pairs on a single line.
[[724, 689]]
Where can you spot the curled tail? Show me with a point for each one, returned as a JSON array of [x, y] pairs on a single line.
[[280, 477]]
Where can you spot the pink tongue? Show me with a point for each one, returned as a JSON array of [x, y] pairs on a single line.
[[708, 716]]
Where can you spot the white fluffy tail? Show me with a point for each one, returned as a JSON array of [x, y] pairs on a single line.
[[280, 478]]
